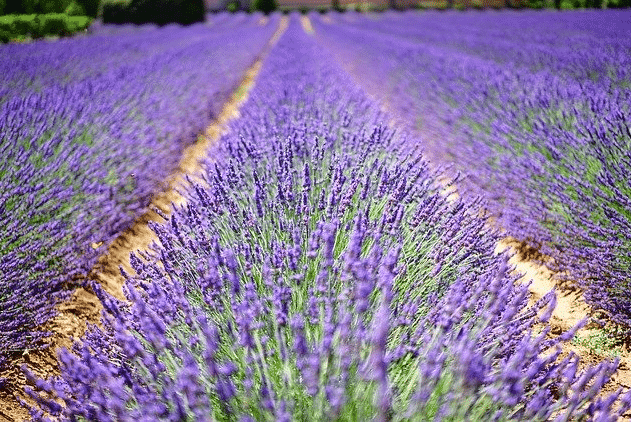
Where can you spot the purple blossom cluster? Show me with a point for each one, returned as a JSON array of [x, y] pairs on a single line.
[[532, 107], [317, 272], [89, 128]]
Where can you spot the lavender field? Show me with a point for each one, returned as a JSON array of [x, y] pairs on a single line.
[[534, 108], [317, 268]]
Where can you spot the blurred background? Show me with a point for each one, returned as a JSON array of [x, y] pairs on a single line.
[[24, 20]]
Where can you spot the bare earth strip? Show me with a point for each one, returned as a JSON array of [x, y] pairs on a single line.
[[306, 24], [84, 307], [569, 311]]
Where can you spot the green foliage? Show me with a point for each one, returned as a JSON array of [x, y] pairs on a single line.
[[25, 25], [161, 12], [5, 24], [607, 341], [581, 4], [90, 7], [233, 6], [265, 6], [37, 26], [20, 7], [74, 9], [51, 6], [27, 7], [535, 4], [114, 11], [53, 25], [571, 4], [617, 3]]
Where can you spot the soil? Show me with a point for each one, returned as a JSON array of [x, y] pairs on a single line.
[[569, 311], [306, 25], [84, 307]]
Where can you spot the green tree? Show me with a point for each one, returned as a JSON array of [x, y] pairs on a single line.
[[51, 6], [21, 7], [265, 6], [91, 7], [74, 9], [161, 12]]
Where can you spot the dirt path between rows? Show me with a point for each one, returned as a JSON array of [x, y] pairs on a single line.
[[306, 24], [84, 307], [591, 343]]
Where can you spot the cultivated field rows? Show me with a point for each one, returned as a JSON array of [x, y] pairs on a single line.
[[311, 266]]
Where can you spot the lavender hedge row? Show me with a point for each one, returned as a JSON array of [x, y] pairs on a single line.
[[534, 108], [89, 128], [317, 273], [566, 46]]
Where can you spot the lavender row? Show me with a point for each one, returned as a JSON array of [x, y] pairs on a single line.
[[317, 273], [565, 47], [538, 119], [89, 128]]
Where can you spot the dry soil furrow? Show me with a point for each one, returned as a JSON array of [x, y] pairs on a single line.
[[84, 307], [569, 311], [306, 24]]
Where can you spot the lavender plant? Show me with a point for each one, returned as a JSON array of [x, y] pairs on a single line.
[[89, 127], [536, 117], [317, 273]]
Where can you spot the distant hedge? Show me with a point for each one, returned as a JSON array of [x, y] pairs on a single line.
[[28, 7], [160, 12], [265, 6], [37, 26]]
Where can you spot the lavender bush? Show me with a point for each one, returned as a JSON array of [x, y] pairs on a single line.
[[533, 107], [316, 273], [89, 127]]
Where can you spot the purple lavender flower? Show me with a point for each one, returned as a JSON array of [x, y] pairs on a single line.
[[314, 330], [89, 128]]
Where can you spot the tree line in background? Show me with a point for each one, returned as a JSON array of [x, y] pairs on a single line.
[[26, 19], [189, 11], [185, 12], [117, 11], [160, 12], [69, 7]]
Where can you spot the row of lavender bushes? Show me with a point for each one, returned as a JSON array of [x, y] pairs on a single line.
[[317, 273], [534, 107], [89, 128]]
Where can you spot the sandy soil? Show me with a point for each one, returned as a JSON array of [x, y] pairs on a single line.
[[569, 311], [84, 307], [306, 24]]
